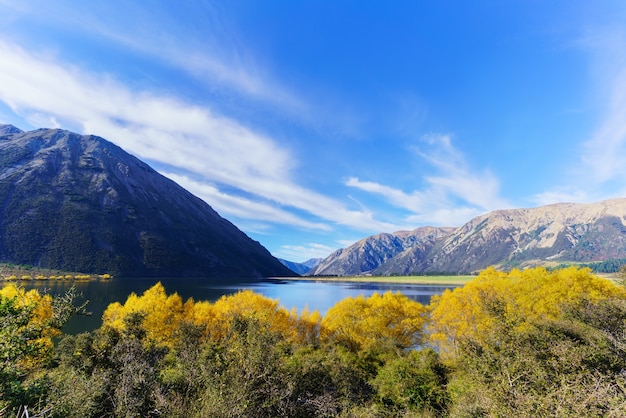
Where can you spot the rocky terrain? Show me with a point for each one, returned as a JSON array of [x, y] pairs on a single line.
[[371, 253], [547, 235]]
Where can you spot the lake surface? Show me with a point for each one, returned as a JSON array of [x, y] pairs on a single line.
[[316, 295]]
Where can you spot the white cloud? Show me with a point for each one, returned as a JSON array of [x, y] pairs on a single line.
[[301, 253], [398, 198], [229, 205], [445, 216], [480, 189], [452, 197], [565, 195], [600, 173], [166, 130], [210, 51], [604, 155]]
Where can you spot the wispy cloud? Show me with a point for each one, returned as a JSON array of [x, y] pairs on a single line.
[[600, 172], [210, 52], [604, 155], [453, 195], [561, 195], [169, 131], [229, 205], [302, 253]]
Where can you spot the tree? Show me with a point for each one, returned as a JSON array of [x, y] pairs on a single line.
[[28, 322], [390, 320], [516, 297], [570, 366], [414, 381], [162, 314], [621, 275]]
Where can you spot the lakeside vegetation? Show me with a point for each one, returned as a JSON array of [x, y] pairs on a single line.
[[16, 272], [524, 343]]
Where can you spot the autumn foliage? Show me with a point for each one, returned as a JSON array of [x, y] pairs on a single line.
[[390, 319], [520, 297], [521, 343]]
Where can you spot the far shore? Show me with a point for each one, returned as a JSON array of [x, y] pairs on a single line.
[[456, 280], [426, 280]]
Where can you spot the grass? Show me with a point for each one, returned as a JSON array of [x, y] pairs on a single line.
[[435, 280]]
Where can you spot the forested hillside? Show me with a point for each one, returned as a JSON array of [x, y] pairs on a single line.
[[519, 344]]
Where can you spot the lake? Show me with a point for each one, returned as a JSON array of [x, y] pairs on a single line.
[[316, 295]]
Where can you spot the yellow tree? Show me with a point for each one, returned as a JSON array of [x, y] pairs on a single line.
[[41, 306], [306, 326], [162, 314], [389, 320], [517, 298], [28, 322], [250, 305], [217, 318]]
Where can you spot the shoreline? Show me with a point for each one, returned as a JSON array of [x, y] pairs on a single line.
[[423, 280]]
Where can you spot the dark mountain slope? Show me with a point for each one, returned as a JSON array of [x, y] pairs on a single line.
[[81, 203]]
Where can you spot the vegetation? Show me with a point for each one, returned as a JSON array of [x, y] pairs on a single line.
[[611, 265], [13, 272], [524, 343]]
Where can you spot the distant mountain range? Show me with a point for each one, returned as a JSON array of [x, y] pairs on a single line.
[[370, 253], [80, 203], [548, 235], [301, 268]]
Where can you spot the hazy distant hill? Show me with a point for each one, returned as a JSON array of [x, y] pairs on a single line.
[[546, 235], [301, 268], [80, 203]]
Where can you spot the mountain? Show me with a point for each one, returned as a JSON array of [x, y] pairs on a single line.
[[559, 233], [547, 235], [80, 203], [369, 254], [301, 268]]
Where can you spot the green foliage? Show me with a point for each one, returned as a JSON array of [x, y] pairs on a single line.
[[28, 321], [415, 381], [612, 265], [566, 367]]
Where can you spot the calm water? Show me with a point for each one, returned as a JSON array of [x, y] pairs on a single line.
[[315, 295]]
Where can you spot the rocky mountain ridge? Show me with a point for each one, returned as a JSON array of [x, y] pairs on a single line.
[[80, 203], [547, 235], [370, 253]]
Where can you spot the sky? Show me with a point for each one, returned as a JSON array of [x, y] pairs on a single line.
[[312, 124]]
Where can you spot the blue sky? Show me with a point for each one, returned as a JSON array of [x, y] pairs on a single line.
[[312, 124]]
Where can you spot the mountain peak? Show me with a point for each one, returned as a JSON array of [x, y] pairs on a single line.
[[547, 235], [370, 254], [80, 203], [9, 130]]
